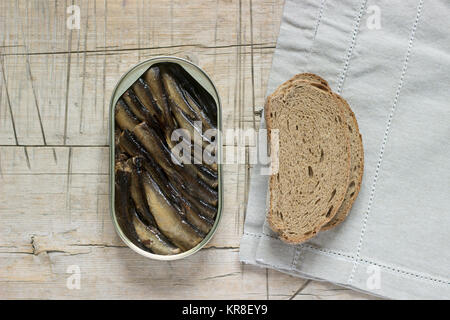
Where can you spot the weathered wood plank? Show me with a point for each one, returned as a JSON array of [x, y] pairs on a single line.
[[64, 192], [55, 85], [60, 80], [112, 273]]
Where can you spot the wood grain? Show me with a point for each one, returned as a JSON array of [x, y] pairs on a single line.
[[55, 87]]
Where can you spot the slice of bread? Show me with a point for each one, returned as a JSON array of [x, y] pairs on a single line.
[[314, 159], [356, 149]]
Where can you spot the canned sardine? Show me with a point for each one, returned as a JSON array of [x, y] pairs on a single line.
[[165, 152]]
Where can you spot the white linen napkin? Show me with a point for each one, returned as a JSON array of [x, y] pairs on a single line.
[[390, 60]]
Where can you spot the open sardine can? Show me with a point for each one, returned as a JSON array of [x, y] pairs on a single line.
[[125, 82]]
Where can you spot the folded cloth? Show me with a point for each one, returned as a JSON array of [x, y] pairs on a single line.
[[390, 61]]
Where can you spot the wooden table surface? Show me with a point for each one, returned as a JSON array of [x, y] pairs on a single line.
[[55, 87]]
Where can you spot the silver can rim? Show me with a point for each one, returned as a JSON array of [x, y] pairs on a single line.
[[215, 94]]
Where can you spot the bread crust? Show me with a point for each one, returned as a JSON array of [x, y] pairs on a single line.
[[311, 77], [356, 148]]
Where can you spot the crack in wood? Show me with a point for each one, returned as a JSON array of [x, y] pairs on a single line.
[[28, 68], [9, 100], [221, 276], [267, 45], [27, 158], [105, 7], [221, 248], [66, 106], [68, 181], [55, 174], [302, 287], [252, 64], [54, 156], [98, 245], [55, 145], [33, 245], [83, 85], [238, 101]]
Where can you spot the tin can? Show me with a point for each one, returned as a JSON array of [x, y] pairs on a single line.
[[124, 83]]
